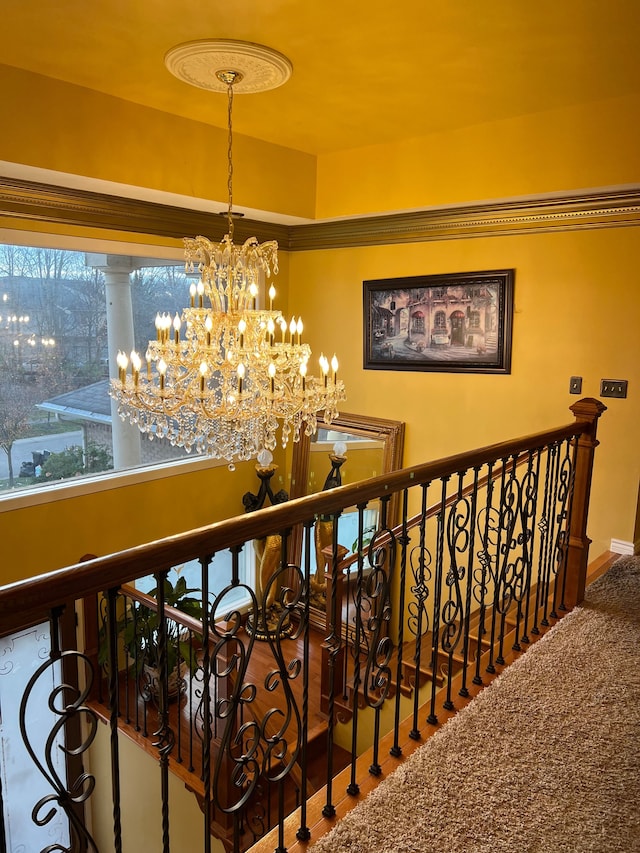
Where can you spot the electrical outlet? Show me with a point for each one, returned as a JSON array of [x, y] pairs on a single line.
[[575, 385], [613, 387]]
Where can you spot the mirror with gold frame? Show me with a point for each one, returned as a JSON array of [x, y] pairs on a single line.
[[367, 447]]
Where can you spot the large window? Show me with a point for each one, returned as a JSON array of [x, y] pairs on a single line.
[[219, 579], [55, 417]]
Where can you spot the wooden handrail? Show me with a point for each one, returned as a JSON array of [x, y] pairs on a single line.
[[178, 616], [434, 509], [25, 602]]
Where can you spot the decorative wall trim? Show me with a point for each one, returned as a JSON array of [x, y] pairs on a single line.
[[72, 207], [619, 546], [598, 210]]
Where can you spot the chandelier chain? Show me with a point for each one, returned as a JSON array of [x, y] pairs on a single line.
[[230, 155]]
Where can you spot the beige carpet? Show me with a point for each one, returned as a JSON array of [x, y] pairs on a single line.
[[546, 760]]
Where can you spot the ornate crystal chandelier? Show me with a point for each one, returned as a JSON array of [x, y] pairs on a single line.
[[223, 377]]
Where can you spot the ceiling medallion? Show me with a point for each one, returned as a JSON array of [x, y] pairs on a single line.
[[200, 63]]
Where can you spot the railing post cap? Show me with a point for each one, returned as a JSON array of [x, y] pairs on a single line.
[[588, 409]]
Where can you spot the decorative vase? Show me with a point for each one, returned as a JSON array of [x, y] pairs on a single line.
[[150, 682]]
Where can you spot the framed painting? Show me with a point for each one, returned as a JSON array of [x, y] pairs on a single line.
[[453, 323]]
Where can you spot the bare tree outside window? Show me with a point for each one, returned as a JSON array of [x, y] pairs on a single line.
[[53, 342]]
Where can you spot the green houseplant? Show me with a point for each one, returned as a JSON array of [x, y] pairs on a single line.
[[139, 632]]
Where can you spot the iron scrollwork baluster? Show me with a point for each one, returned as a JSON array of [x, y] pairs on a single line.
[[464, 690], [253, 748], [531, 491], [333, 644], [542, 585], [511, 564], [354, 788], [237, 759], [112, 641], [452, 613], [565, 500], [404, 542], [418, 622], [66, 702], [164, 734], [418, 616], [523, 564], [303, 833], [377, 678], [285, 744], [552, 534], [432, 719], [486, 525], [205, 705]]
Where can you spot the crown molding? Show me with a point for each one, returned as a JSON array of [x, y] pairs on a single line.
[[20, 199], [38, 202], [595, 210]]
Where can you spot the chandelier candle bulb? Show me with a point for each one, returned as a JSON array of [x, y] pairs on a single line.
[[176, 329], [241, 373], [334, 367], [192, 294], [303, 374], [148, 360], [270, 330], [253, 292], [272, 377], [272, 296], [162, 369], [324, 366], [165, 326], [200, 292], [299, 328], [121, 361], [292, 328], [136, 364], [203, 373], [208, 326], [283, 328], [242, 327]]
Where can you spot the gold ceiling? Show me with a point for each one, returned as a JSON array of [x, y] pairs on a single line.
[[364, 71]]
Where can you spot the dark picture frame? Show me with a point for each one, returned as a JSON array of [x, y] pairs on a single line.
[[452, 323]]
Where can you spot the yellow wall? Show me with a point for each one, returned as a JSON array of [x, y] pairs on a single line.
[[141, 802], [49, 536], [587, 146], [54, 125], [577, 311]]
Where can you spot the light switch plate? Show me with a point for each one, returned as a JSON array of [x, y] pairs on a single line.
[[613, 387]]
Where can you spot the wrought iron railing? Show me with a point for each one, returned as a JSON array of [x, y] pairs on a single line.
[[253, 707]]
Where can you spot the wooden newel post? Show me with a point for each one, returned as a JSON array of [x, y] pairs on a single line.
[[588, 410]]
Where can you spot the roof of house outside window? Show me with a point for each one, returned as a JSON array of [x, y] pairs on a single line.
[[90, 403]]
